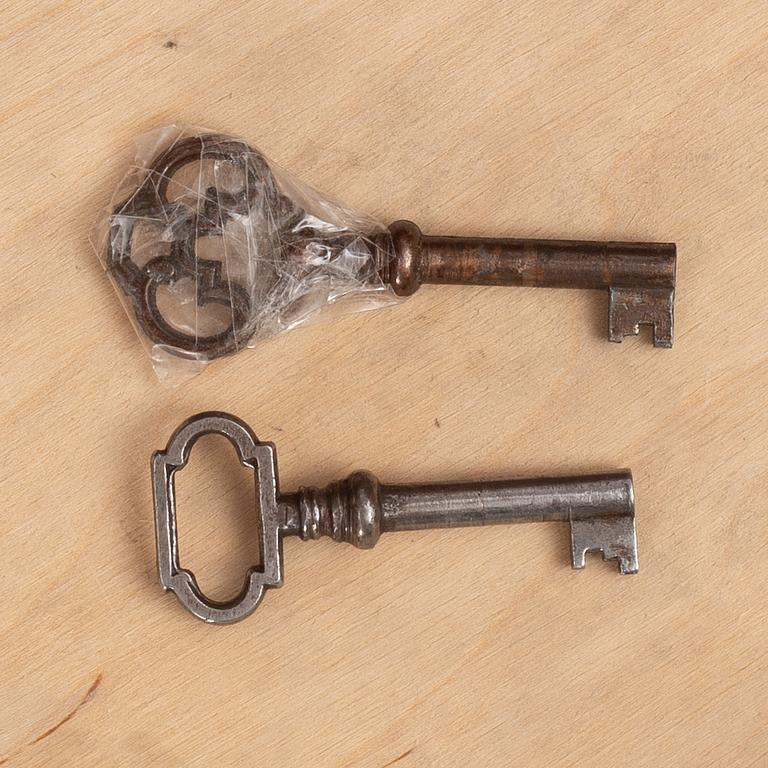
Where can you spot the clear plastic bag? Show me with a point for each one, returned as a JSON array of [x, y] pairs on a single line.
[[212, 248]]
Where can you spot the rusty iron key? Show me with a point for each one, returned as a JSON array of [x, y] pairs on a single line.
[[286, 249], [598, 507]]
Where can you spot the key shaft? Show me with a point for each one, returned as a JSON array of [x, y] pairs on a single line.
[[561, 499], [639, 277], [599, 508]]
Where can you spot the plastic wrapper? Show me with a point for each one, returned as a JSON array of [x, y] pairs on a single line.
[[213, 248]]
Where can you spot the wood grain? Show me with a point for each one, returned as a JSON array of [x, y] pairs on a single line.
[[589, 119]]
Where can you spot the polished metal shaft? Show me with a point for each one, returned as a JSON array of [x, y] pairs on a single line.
[[412, 507]]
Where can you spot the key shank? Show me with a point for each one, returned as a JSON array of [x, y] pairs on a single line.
[[640, 277], [599, 508]]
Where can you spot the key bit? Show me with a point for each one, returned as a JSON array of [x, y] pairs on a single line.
[[599, 509], [285, 240]]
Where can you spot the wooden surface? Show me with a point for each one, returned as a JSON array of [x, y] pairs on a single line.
[[616, 120]]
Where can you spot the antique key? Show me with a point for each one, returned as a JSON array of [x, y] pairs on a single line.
[[599, 508], [285, 252]]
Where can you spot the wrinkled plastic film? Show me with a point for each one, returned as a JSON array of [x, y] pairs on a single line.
[[213, 248]]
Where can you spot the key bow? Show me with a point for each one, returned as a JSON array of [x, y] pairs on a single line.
[[252, 453]]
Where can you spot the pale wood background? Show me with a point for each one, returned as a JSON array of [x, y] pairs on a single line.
[[449, 648]]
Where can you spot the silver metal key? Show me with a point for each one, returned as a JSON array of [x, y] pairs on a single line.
[[599, 509]]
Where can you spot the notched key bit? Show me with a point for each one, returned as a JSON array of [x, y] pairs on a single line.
[[599, 508]]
